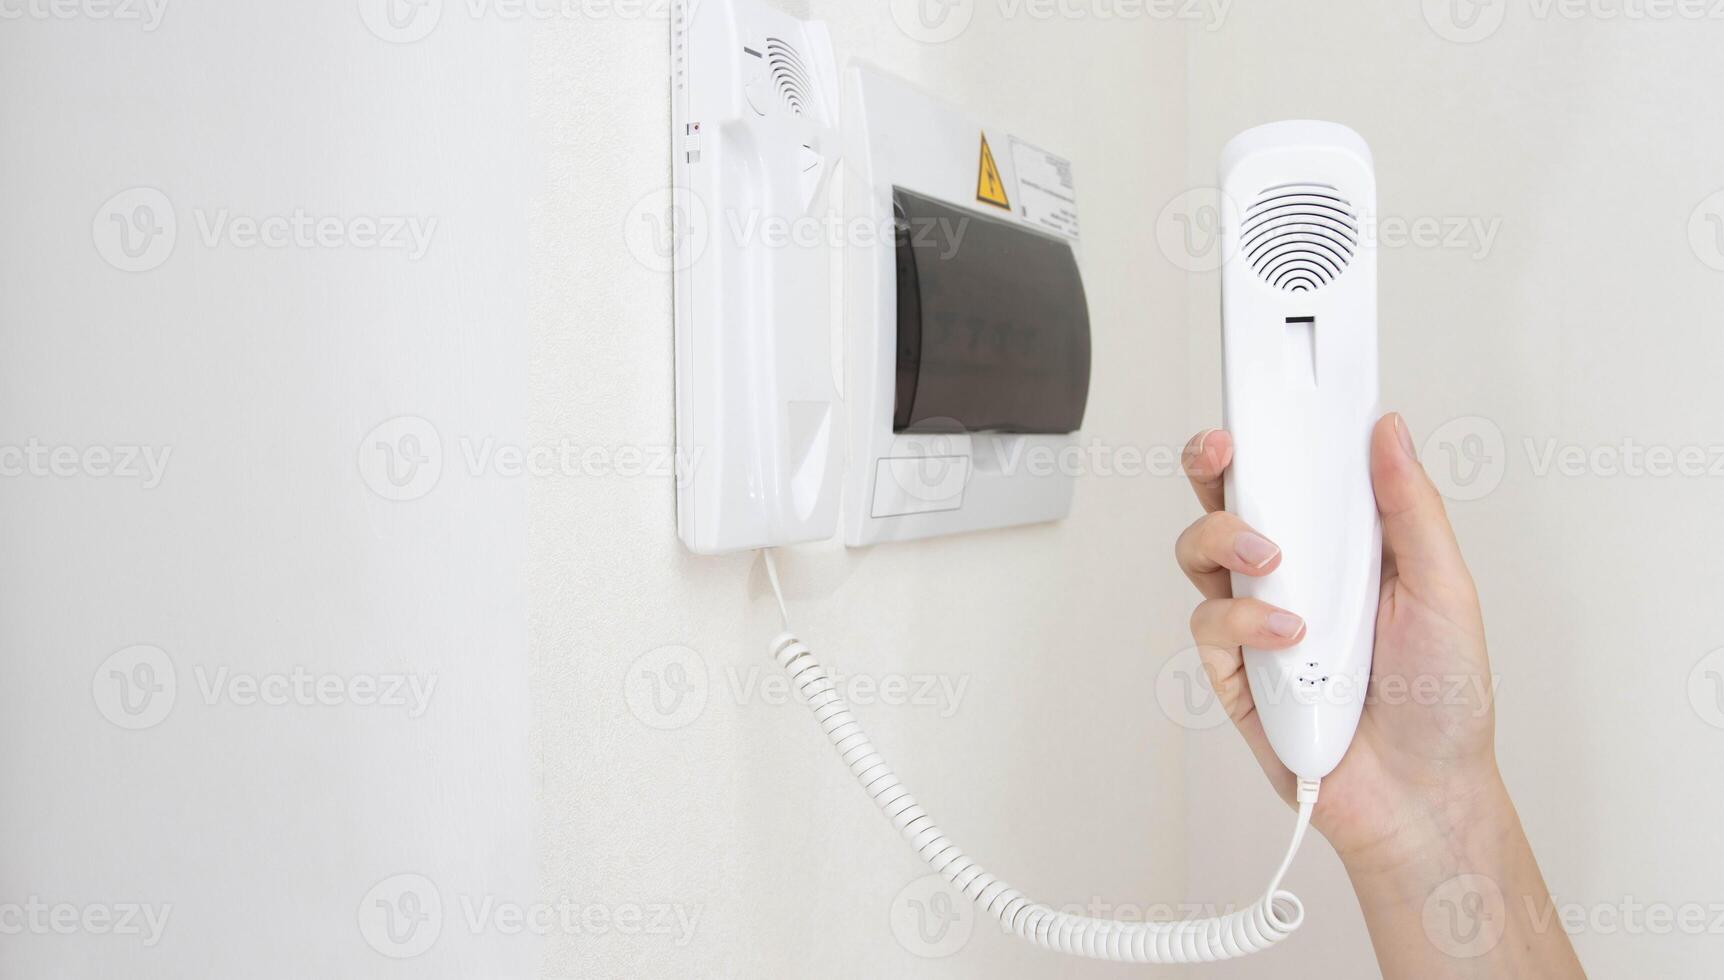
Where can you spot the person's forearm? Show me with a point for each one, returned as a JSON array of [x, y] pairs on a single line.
[[1458, 894]]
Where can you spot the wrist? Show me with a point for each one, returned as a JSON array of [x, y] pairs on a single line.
[[1448, 828], [1455, 891]]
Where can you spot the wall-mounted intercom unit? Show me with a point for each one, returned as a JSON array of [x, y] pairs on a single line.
[[967, 357], [755, 145], [968, 350]]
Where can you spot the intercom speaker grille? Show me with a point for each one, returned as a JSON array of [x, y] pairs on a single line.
[[789, 76], [1299, 237]]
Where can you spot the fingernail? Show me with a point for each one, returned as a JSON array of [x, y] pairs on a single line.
[[1284, 624], [1406, 437], [1254, 549], [1196, 447]]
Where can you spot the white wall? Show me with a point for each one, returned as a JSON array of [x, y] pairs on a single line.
[[258, 829], [1590, 322], [1053, 771]]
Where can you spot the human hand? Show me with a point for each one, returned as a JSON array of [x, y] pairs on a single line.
[[1424, 755]]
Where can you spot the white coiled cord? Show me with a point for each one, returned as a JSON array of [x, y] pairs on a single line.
[[1251, 930]]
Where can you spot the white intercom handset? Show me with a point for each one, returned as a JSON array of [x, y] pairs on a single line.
[[1299, 342], [755, 145]]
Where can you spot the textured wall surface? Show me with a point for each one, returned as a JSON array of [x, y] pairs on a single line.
[[248, 687]]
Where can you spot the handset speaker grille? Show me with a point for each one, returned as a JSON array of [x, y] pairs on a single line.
[[789, 76], [1299, 237]]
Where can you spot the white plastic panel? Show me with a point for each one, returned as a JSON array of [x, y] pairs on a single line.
[[907, 486]]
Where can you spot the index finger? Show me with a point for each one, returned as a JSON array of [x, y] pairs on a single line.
[[1205, 459]]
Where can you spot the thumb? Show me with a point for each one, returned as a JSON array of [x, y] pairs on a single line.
[[1416, 531]]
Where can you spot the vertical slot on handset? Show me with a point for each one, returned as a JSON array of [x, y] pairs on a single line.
[[1299, 352]]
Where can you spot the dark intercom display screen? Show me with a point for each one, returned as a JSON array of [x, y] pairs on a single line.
[[993, 324]]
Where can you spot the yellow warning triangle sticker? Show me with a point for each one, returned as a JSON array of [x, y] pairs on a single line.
[[990, 189]]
